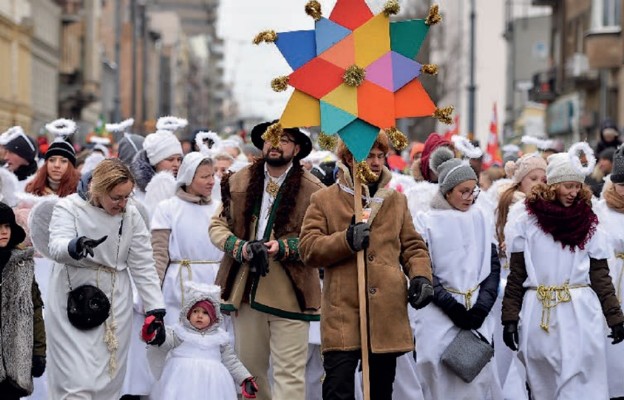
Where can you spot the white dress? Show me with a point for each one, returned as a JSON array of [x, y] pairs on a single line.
[[569, 361], [460, 249], [194, 369], [189, 240], [80, 364], [613, 223]]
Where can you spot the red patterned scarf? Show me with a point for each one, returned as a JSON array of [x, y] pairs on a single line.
[[572, 226]]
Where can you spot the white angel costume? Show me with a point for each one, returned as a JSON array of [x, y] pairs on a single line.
[[613, 222], [460, 246], [563, 346], [92, 363], [199, 364]]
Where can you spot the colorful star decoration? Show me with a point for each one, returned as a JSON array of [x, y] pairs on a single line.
[[355, 73]]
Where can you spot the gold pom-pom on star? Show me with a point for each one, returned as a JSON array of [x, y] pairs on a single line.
[[398, 139], [313, 9], [354, 76], [434, 15], [364, 172], [268, 36], [273, 134], [280, 83], [444, 114], [391, 7], [431, 69], [327, 142]]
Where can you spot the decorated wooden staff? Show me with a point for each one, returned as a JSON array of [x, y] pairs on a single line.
[[354, 74]]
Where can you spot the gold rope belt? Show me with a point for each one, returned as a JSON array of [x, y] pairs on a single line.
[[467, 295], [550, 297], [618, 293], [185, 264]]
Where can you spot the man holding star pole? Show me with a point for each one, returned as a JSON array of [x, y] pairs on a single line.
[[354, 75]]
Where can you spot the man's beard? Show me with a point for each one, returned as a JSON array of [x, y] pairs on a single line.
[[277, 162]]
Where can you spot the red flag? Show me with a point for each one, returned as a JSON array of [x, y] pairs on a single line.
[[493, 154], [453, 129]]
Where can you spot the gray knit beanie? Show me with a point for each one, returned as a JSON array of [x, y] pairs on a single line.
[[617, 173], [129, 146], [451, 171]]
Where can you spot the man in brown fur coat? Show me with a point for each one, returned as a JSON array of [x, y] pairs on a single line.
[[268, 291], [394, 253]]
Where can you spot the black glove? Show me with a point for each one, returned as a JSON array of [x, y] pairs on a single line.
[[420, 292], [259, 262], [477, 316], [82, 246], [617, 333], [153, 331], [510, 335], [358, 235], [460, 317], [38, 366]]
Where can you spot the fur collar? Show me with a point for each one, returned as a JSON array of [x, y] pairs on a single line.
[[142, 170], [344, 178], [255, 190], [440, 203]]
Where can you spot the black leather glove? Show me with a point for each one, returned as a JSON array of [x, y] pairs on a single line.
[[510, 335], [82, 246], [259, 262], [358, 235], [38, 366], [617, 333], [460, 317], [154, 332], [477, 317], [420, 292]]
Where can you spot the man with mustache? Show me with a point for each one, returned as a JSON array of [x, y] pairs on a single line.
[[268, 291], [394, 255]]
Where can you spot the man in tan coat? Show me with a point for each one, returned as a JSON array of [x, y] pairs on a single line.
[[393, 251], [268, 291]]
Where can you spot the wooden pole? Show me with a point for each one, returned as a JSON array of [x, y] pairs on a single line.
[[362, 291]]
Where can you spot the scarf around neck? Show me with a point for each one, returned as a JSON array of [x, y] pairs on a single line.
[[572, 226]]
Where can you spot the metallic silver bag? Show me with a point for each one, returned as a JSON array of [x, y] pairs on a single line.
[[467, 354]]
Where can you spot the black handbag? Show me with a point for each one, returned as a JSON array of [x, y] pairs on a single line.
[[87, 306]]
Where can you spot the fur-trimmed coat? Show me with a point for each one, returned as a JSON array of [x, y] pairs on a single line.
[[290, 289], [396, 253], [22, 332]]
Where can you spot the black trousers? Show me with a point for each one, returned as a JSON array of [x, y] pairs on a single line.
[[340, 366], [10, 391]]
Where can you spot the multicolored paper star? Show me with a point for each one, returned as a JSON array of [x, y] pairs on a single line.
[[330, 61]]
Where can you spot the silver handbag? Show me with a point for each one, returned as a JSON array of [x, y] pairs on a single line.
[[467, 354]]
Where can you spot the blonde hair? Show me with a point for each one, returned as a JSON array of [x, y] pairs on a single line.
[[108, 174]]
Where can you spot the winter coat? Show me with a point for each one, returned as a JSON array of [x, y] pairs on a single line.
[[289, 290], [142, 170], [22, 332], [92, 363], [396, 253]]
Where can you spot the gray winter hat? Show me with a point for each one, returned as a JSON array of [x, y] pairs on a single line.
[[617, 173], [451, 171]]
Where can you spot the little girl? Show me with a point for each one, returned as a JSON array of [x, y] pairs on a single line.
[[200, 362]]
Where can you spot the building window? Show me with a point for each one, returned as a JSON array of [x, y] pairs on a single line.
[[606, 15]]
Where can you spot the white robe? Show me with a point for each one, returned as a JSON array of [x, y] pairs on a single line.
[[569, 362], [78, 361], [460, 249], [613, 223], [189, 240]]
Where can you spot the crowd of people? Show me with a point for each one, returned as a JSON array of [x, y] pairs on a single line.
[[146, 270]]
